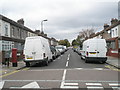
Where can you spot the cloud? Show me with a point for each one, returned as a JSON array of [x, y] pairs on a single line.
[[65, 17]]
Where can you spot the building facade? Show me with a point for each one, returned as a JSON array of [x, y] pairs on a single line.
[[114, 39], [12, 35]]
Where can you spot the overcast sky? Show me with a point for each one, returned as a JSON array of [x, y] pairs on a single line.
[[66, 18]]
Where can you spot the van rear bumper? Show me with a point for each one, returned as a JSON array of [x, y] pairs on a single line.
[[40, 60], [103, 59]]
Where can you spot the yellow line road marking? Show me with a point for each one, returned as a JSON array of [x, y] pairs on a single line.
[[25, 69], [112, 68], [9, 73], [13, 72]]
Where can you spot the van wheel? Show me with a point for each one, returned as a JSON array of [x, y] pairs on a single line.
[[103, 62], [27, 64], [86, 61], [51, 60], [81, 58], [46, 63]]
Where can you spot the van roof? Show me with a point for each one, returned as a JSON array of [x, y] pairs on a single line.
[[35, 37], [94, 40]]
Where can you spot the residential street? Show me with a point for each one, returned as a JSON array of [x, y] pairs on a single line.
[[67, 71]]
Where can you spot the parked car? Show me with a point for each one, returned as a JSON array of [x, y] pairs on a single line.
[[75, 48], [78, 50], [58, 52], [65, 48], [94, 50], [54, 52], [37, 50], [60, 48]]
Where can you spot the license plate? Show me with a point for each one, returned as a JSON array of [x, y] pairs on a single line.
[[92, 52], [29, 58]]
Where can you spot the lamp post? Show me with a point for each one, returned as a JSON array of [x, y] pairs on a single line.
[[42, 24]]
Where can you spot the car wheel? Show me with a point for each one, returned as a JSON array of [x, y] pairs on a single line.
[[51, 60]]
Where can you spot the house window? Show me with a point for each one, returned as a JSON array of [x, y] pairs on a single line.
[[2, 47], [113, 45], [26, 34], [22, 34], [29, 34], [0, 30], [13, 32], [116, 32], [6, 30], [18, 33], [113, 33]]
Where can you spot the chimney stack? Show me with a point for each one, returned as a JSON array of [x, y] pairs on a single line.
[[21, 21], [106, 26], [114, 21]]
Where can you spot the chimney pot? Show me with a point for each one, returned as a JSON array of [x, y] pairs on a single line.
[[21, 21], [114, 21]]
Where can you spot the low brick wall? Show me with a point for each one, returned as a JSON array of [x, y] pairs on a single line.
[[2, 55], [113, 53]]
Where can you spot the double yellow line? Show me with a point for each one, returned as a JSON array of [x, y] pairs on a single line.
[[112, 68], [13, 72]]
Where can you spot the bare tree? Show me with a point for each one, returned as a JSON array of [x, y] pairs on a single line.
[[86, 33]]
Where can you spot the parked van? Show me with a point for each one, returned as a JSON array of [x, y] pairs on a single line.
[[37, 49], [94, 50]]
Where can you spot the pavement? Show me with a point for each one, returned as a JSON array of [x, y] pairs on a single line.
[[113, 61], [20, 64]]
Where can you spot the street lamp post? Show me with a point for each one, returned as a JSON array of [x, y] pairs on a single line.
[[42, 24]]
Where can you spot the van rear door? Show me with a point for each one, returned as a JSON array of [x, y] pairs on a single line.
[[92, 49], [101, 48], [29, 50], [38, 49]]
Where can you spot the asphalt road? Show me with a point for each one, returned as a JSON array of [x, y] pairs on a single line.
[[66, 72]]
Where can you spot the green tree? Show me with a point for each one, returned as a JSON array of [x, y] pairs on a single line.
[[74, 42], [64, 42], [61, 42], [68, 44]]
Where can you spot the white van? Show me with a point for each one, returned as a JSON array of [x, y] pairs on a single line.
[[94, 50], [37, 49]]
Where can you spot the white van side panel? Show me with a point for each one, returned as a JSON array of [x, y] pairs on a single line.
[[46, 47]]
